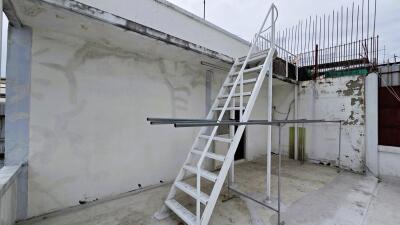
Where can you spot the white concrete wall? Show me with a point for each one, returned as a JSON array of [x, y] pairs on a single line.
[[283, 96], [89, 137], [8, 194], [166, 17], [371, 123], [389, 158], [256, 143], [328, 99], [8, 207]]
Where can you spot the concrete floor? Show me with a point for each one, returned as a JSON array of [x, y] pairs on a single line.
[[311, 194]]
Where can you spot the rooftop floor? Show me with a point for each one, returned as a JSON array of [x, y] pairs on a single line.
[[311, 194]]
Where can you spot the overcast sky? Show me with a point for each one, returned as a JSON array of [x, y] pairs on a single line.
[[243, 17]]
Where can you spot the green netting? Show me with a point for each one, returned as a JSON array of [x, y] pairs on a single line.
[[343, 73]]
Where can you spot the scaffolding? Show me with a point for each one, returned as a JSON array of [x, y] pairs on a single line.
[[181, 123]]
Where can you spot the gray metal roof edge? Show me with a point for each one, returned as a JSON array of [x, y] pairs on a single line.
[[109, 18], [200, 20]]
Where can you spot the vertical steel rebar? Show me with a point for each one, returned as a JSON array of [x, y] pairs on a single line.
[[328, 35], [337, 35], [333, 26], [340, 143], [362, 21], [341, 34], [373, 35], [320, 30], [351, 36], [368, 20], [309, 35], [279, 175]]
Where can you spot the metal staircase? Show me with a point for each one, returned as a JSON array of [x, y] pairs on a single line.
[[237, 87]]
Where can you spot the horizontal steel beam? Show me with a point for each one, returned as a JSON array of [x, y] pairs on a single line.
[[210, 123], [159, 121]]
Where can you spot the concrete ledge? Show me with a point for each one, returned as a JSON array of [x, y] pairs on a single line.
[[109, 18], [389, 149], [200, 20], [8, 174]]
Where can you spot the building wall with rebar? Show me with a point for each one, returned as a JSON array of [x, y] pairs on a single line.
[[322, 45]]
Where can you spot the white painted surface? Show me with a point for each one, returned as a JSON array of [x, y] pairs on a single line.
[[389, 161], [89, 134], [93, 85], [175, 21], [256, 143], [2, 53], [371, 123], [8, 194], [283, 97]]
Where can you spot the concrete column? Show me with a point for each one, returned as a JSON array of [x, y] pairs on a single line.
[[371, 123], [1, 34], [18, 109]]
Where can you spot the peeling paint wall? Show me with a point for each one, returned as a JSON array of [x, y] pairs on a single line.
[[89, 137], [329, 99]]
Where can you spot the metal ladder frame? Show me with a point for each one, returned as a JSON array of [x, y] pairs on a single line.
[[244, 116]]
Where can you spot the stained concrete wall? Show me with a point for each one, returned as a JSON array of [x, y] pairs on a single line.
[[177, 22], [329, 99], [89, 137]]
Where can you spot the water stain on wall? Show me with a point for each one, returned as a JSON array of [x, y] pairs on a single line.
[[34, 9]]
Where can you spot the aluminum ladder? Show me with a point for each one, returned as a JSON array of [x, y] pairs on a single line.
[[259, 63]]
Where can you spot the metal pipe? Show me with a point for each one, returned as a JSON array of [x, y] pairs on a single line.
[[340, 143], [269, 110], [368, 20], [362, 20], [279, 176], [296, 134], [309, 36], [204, 9], [373, 35], [257, 122]]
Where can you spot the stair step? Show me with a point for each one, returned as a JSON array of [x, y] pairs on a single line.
[[192, 191], [210, 155], [236, 95], [204, 173], [227, 140], [229, 108], [254, 69], [248, 81], [183, 213]]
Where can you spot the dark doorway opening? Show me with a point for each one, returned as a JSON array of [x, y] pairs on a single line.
[[388, 117], [242, 144]]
